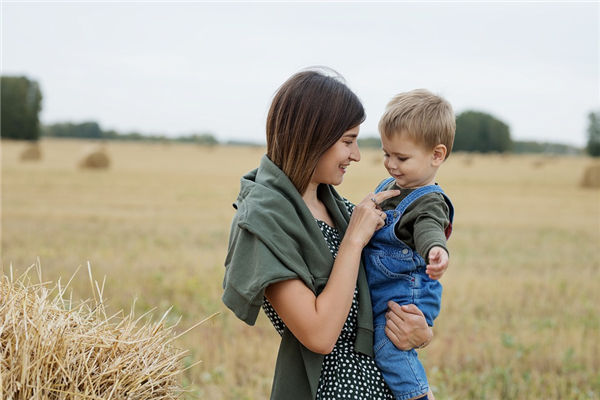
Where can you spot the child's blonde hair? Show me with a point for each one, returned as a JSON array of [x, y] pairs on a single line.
[[426, 118]]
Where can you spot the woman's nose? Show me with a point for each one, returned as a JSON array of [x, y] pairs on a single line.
[[355, 153]]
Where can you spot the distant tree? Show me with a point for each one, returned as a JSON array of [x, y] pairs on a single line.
[[205, 139], [112, 134], [593, 131], [87, 130], [21, 104], [529, 146], [92, 130], [480, 132]]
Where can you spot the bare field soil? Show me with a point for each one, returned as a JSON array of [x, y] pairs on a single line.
[[521, 309]]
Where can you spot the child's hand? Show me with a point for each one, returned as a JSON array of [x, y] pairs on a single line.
[[438, 262]]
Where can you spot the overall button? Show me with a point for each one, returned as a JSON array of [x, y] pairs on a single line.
[[404, 251]]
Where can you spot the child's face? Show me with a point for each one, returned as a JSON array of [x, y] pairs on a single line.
[[409, 163]]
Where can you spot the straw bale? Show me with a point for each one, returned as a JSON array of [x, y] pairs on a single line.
[[539, 162], [95, 158], [52, 350], [468, 161], [591, 176], [32, 152]]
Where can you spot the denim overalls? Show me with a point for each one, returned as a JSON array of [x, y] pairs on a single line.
[[397, 272]]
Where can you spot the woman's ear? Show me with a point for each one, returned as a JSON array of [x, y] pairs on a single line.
[[439, 154]]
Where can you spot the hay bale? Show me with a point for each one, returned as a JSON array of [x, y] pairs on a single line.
[[50, 349], [32, 152], [539, 162], [591, 176], [468, 161], [95, 158]]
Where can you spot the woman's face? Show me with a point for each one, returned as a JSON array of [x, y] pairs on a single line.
[[333, 163]]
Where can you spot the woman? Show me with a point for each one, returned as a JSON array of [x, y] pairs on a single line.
[[295, 248]]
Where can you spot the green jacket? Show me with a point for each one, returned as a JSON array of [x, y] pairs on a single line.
[[273, 238]]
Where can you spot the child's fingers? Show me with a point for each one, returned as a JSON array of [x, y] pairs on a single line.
[[435, 271], [436, 255], [435, 264], [434, 276]]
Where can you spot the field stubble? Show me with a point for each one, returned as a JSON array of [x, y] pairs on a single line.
[[520, 317]]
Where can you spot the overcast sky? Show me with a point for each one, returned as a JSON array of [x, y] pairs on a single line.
[[181, 68]]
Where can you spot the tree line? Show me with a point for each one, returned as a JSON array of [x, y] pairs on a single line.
[[92, 130], [476, 131]]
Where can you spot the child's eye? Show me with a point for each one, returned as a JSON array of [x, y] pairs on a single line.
[[402, 158]]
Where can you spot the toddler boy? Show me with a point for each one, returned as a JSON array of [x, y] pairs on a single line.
[[405, 259]]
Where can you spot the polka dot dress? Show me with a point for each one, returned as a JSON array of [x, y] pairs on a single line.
[[345, 374]]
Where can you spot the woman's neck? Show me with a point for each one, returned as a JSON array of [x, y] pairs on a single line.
[[316, 206], [310, 194]]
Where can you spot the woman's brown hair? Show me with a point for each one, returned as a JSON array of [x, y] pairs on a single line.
[[309, 113]]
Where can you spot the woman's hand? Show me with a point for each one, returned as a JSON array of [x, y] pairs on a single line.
[[406, 326], [367, 217]]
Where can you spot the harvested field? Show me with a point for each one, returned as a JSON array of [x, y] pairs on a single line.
[[519, 318]]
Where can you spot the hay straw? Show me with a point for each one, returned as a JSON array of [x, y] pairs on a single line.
[[95, 158], [591, 176], [52, 350], [32, 152]]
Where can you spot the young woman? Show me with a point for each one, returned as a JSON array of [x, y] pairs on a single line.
[[295, 248]]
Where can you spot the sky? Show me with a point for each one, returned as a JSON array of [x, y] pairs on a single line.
[[192, 67]]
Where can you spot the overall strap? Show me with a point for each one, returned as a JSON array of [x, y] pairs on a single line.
[[418, 193], [422, 191], [383, 184]]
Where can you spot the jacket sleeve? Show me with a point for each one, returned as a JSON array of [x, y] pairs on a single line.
[[432, 220], [250, 267]]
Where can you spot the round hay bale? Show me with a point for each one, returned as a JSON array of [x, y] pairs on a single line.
[[32, 152], [468, 161], [95, 158], [538, 163], [591, 176]]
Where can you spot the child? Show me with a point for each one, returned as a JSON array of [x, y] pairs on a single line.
[[405, 258]]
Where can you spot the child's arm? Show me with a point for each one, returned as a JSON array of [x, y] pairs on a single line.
[[431, 219], [438, 262]]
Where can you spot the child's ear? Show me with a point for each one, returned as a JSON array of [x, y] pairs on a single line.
[[439, 154]]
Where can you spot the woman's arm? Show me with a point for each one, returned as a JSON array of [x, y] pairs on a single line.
[[317, 321], [407, 327]]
